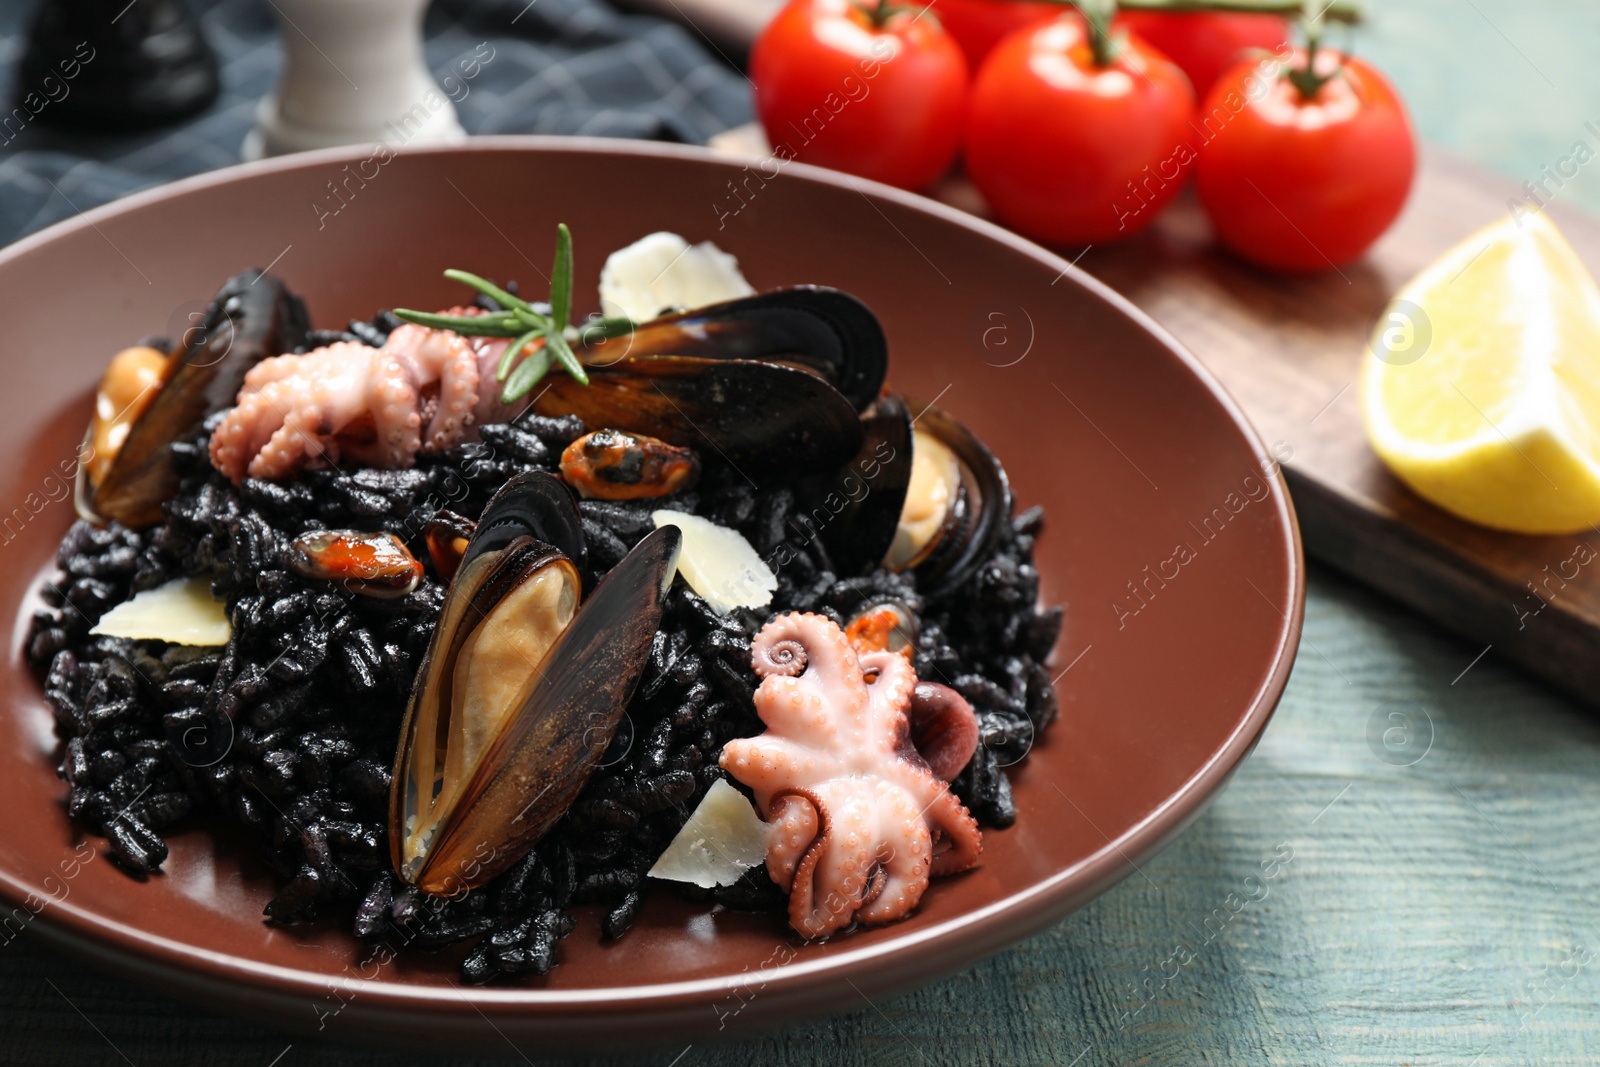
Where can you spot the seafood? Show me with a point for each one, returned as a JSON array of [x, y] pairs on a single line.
[[768, 420], [930, 498], [521, 689], [943, 727], [751, 380], [447, 535], [252, 317], [377, 406], [860, 822], [944, 730], [882, 626], [371, 564], [613, 465], [825, 331], [564, 696], [131, 381]]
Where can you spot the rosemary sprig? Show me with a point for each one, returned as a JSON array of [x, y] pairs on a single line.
[[539, 339]]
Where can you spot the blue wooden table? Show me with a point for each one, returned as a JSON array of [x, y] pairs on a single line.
[[1435, 814]]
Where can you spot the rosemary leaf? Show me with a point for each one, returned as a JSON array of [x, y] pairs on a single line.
[[495, 324], [488, 289], [509, 357], [561, 280], [527, 375], [556, 345]]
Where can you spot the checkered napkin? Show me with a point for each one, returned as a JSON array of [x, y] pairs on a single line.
[[559, 66]]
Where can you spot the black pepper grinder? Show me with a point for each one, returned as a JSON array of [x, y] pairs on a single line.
[[115, 65]]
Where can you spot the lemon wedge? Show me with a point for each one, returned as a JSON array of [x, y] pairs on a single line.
[[1481, 385]]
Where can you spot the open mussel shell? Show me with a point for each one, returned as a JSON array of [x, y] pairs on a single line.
[[979, 507], [938, 513], [521, 689], [826, 331], [856, 509], [253, 316], [770, 422], [447, 535]]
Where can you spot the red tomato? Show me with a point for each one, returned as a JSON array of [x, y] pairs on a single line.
[[978, 25], [1302, 184], [1206, 44], [1069, 152], [840, 87]]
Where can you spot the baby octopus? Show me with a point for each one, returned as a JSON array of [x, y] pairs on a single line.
[[860, 820], [380, 407]]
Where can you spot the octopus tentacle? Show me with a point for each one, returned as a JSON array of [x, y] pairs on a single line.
[[905, 866], [828, 653], [835, 872], [796, 815], [961, 841]]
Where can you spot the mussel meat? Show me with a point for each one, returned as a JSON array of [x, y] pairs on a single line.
[[252, 316], [371, 564], [883, 626], [521, 689], [614, 465], [447, 535], [825, 331]]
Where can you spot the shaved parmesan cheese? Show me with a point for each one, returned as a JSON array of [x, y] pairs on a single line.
[[722, 839], [719, 564], [181, 612], [664, 271]]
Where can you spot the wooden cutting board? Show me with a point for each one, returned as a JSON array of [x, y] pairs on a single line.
[[1289, 349]]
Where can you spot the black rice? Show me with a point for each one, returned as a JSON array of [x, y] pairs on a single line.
[[291, 729]]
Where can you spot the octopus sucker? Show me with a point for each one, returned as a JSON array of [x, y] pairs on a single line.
[[861, 821]]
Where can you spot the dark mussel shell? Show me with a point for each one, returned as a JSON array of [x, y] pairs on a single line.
[[826, 331], [770, 422], [856, 509], [253, 316], [542, 747]]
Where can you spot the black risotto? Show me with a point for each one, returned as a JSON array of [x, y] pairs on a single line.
[[291, 729]]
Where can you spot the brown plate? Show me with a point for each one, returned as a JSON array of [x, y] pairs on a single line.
[[1177, 558]]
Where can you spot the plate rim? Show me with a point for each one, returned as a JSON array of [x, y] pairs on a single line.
[[967, 937]]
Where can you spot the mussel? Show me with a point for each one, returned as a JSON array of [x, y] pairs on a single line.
[[447, 535], [614, 465], [921, 494], [961, 502], [883, 626], [369, 564], [253, 316], [770, 421], [825, 331], [771, 383], [522, 687]]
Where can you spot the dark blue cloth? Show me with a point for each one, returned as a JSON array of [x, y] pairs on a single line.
[[559, 67]]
